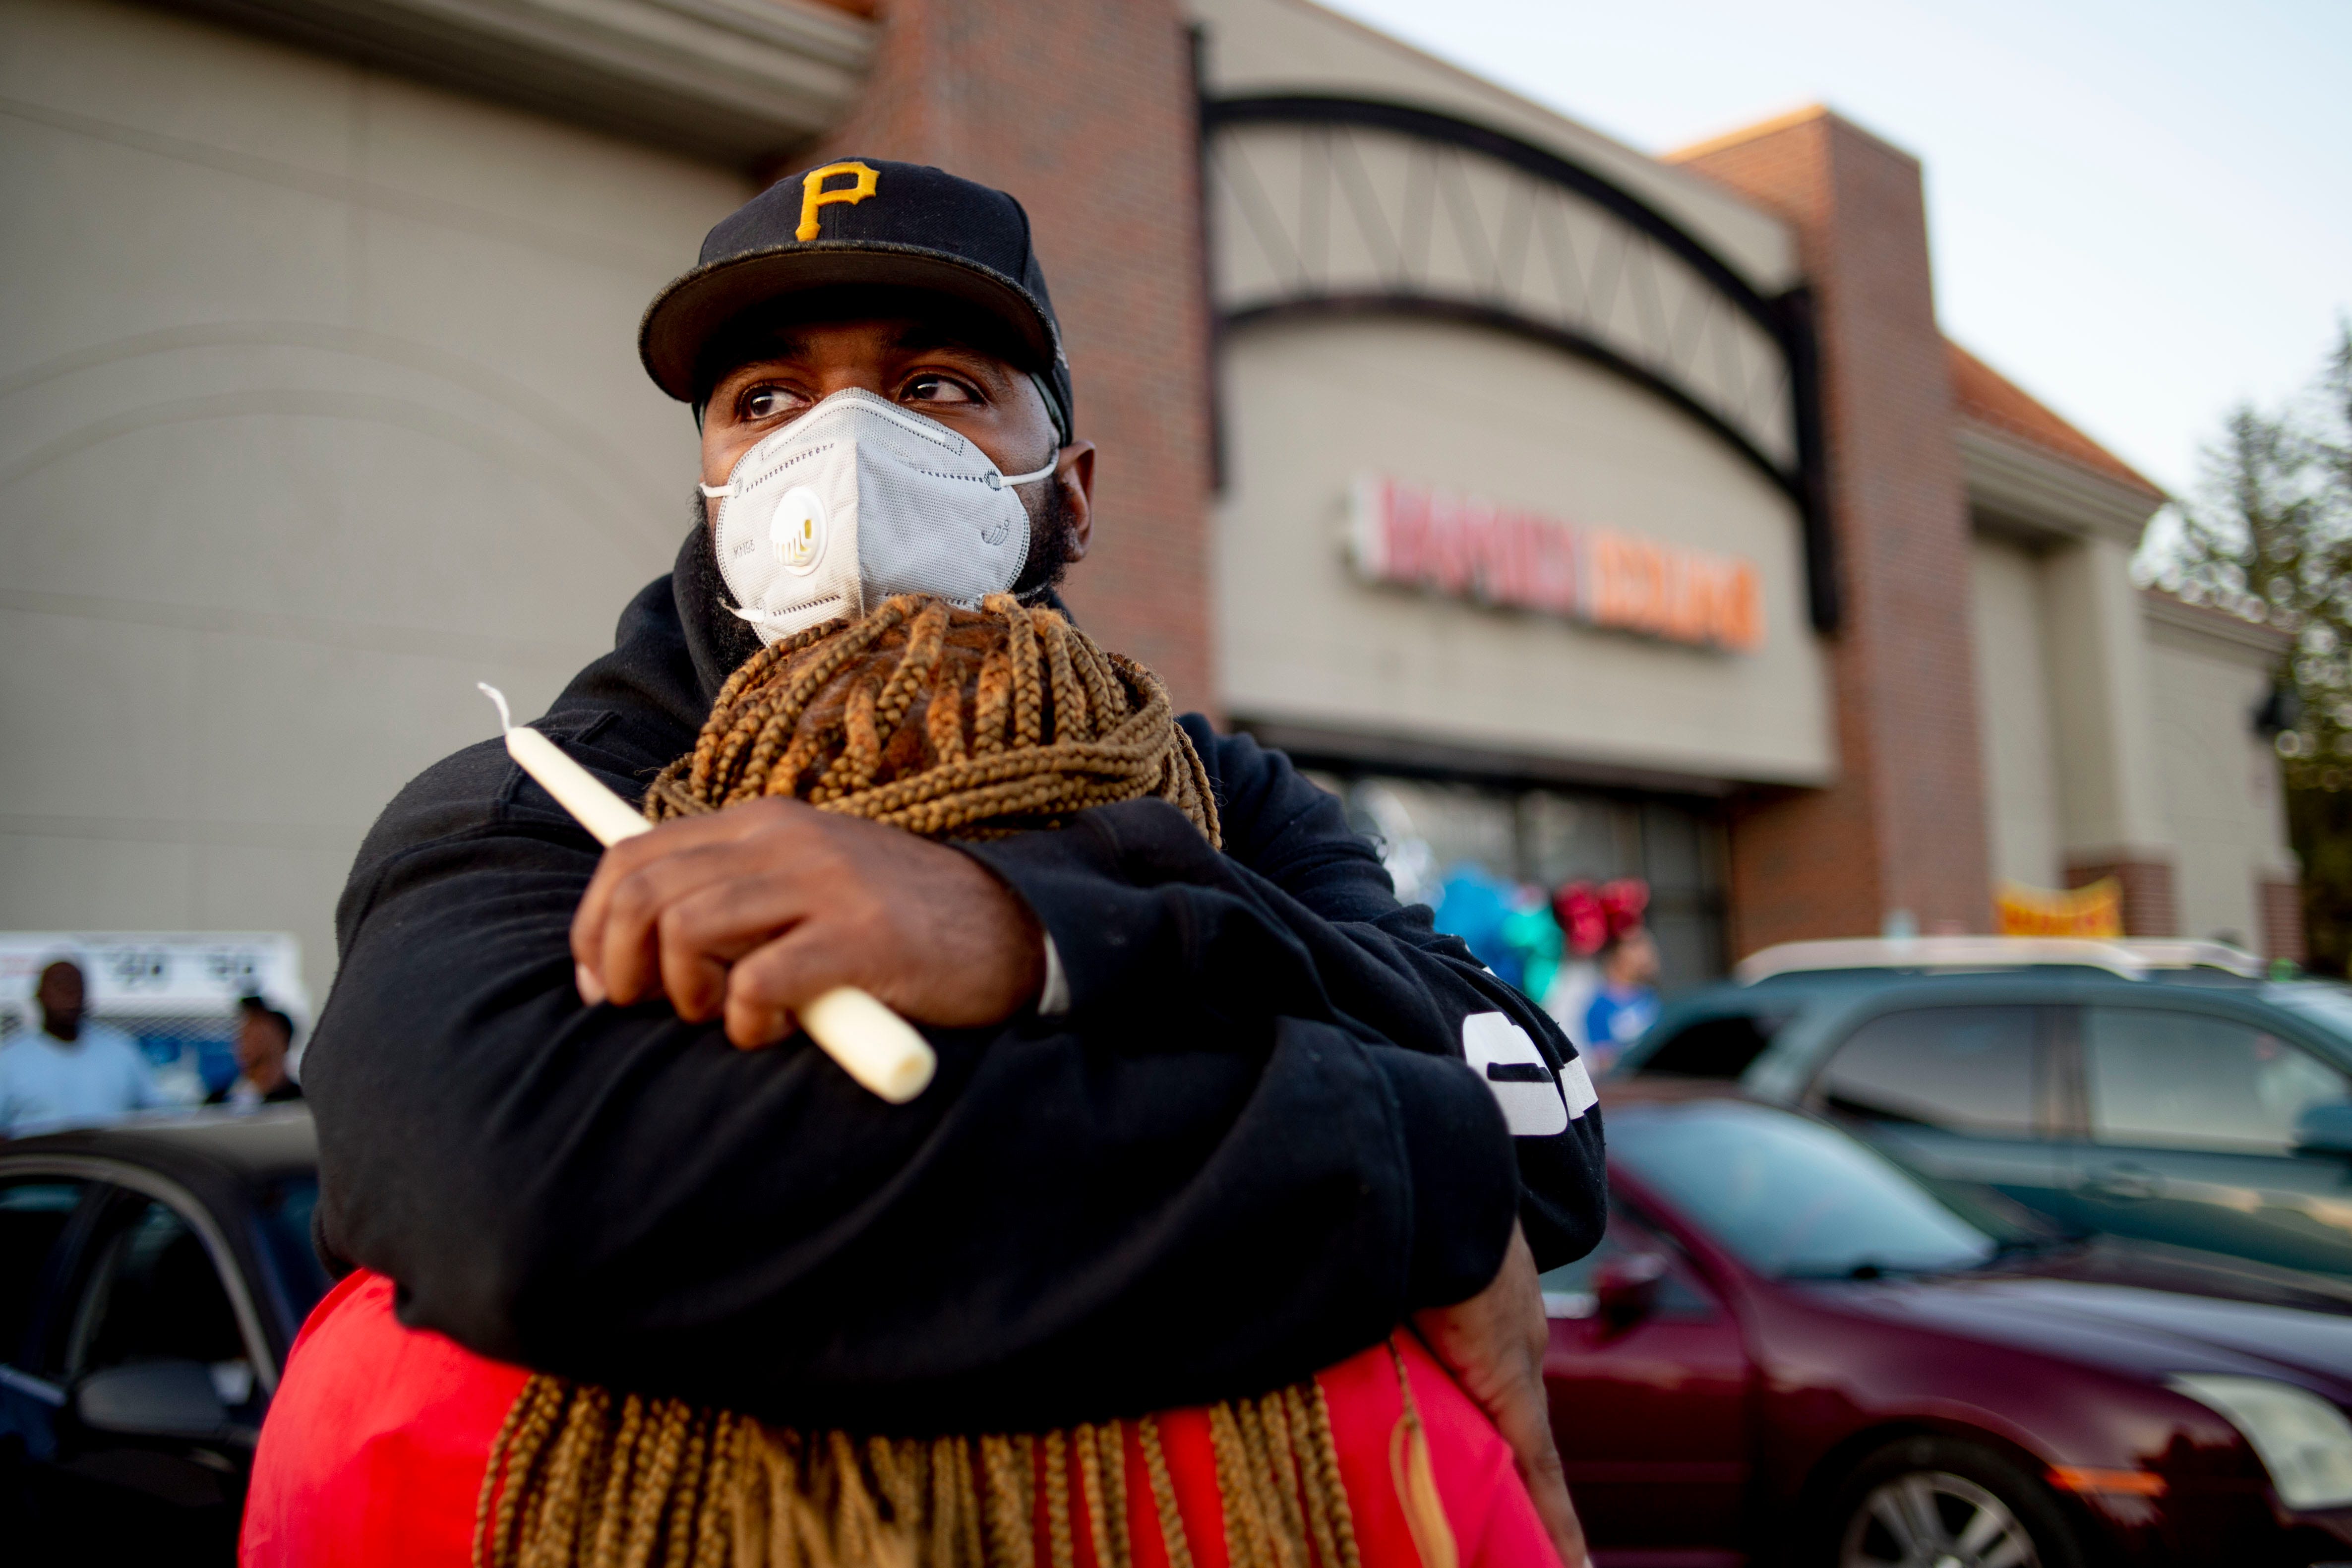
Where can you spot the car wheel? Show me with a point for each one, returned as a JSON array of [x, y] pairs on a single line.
[[1933, 1502]]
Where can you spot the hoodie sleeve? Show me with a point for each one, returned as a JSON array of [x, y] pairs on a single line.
[[1140, 906], [1251, 1147]]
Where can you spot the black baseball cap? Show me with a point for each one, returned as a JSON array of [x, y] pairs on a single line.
[[862, 223]]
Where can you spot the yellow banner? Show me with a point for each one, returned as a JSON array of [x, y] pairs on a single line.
[[2096, 910]]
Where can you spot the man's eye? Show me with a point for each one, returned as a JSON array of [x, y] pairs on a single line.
[[938, 389], [769, 402]]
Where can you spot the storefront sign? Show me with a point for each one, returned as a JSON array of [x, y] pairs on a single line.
[[127, 974], [2093, 910], [1472, 549]]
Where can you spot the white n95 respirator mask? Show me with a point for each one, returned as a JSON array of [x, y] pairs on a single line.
[[857, 499]]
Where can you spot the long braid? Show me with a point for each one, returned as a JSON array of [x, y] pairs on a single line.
[[1334, 1530], [1061, 1533], [1106, 1536], [677, 1517], [1163, 1494], [1010, 1540], [605, 1552], [949, 723]]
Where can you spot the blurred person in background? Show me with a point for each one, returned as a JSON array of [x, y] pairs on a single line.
[[1593, 917], [73, 1071], [264, 1038], [1627, 1002]]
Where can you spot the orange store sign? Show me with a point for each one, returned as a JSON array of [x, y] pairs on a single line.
[[2094, 911], [1495, 554]]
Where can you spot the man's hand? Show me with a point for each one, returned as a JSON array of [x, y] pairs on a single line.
[[760, 908], [1494, 1345]]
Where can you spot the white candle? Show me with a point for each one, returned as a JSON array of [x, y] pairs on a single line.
[[875, 1046]]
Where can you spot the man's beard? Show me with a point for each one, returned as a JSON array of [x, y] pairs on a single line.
[[731, 636], [1051, 536]]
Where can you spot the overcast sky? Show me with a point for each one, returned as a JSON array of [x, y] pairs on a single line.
[[2140, 210]]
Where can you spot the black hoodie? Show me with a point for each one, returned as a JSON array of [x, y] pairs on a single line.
[[1249, 1149]]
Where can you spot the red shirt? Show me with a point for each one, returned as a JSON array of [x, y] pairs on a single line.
[[373, 1451]]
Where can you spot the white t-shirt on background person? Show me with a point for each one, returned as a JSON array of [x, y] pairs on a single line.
[[48, 1084]]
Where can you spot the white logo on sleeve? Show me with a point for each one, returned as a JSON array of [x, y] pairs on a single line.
[[1532, 1101]]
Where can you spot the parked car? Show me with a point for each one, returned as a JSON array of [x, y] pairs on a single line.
[[2128, 957], [2215, 1115], [1714, 1031], [1791, 1349], [152, 1278]]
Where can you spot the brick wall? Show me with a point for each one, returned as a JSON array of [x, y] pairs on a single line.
[[1085, 113], [2279, 903], [1902, 827], [2151, 907]]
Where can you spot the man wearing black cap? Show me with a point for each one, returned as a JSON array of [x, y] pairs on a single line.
[[1204, 1122]]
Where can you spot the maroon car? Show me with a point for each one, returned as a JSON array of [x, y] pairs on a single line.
[[1791, 1350]]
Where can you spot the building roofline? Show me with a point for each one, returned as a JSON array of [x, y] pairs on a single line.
[[2210, 621], [1981, 395], [1710, 210], [1779, 123], [1467, 77], [735, 81], [2025, 487]]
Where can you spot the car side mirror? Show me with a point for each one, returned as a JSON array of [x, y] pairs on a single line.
[[2326, 1128], [152, 1399], [1626, 1288]]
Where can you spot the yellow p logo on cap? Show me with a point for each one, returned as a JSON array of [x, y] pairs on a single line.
[[815, 195]]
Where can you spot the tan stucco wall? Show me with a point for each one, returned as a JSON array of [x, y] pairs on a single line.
[[2012, 670], [2110, 806], [2219, 780], [321, 403], [1309, 405], [2159, 758]]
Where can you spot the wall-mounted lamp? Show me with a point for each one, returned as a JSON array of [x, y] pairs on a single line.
[[2280, 712]]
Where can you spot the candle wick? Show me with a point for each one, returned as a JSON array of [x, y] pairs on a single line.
[[506, 719]]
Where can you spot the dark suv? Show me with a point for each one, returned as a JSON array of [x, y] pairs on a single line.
[[2213, 1116]]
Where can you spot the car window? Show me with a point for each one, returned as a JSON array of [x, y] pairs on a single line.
[[1568, 1290], [154, 1295], [2322, 1002], [1968, 1069], [285, 1209], [1713, 1048], [2161, 1078], [1792, 1196], [33, 1214]]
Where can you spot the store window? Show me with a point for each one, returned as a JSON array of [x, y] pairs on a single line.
[[1494, 860]]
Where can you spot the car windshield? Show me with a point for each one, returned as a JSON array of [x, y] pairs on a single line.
[[2329, 1006], [1792, 1197]]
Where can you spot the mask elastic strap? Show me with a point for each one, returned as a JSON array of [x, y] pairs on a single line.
[[716, 493], [1054, 409], [995, 479]]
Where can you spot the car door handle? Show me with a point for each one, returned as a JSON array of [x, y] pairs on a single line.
[[2123, 1182]]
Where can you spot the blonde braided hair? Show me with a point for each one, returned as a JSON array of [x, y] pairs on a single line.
[[946, 722], [952, 724]]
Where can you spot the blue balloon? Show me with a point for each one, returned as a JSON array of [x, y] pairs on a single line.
[[1474, 904]]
